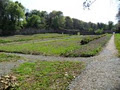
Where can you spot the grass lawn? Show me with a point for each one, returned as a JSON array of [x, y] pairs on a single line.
[[19, 38], [117, 42], [46, 75], [63, 47], [5, 57]]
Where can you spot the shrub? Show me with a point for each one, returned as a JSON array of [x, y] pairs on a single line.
[[99, 31], [86, 40]]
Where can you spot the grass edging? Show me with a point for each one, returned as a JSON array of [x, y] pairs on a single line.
[[117, 43]]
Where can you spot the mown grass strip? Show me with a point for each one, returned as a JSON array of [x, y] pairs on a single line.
[[46, 75], [55, 47], [117, 43], [19, 38]]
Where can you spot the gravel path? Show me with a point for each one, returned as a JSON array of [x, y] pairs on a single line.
[[5, 67], [103, 73]]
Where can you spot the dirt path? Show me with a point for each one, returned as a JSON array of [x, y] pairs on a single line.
[[102, 71], [5, 67], [101, 74]]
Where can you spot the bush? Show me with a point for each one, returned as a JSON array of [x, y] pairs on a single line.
[[99, 31], [86, 40]]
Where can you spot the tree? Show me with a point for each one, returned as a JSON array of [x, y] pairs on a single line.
[[43, 18], [68, 23], [76, 23], [110, 25], [99, 31], [56, 20], [12, 17], [43, 15], [118, 17], [3, 4], [34, 21], [34, 12]]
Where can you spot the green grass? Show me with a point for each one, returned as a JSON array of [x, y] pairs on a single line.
[[19, 38], [94, 47], [117, 43], [90, 49], [6, 57], [63, 47], [46, 75], [54, 47]]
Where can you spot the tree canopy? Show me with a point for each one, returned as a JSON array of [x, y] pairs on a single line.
[[11, 16], [14, 16]]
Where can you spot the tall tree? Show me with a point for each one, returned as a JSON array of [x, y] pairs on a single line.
[[56, 20], [12, 16], [76, 23], [34, 21], [3, 4], [68, 23], [110, 25]]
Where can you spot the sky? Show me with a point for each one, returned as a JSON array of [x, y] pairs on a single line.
[[100, 11]]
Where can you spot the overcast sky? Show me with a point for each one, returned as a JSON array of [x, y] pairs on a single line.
[[100, 10]]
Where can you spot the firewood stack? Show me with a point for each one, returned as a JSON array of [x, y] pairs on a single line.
[[7, 82]]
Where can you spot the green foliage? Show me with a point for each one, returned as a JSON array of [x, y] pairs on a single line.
[[12, 18], [37, 19], [117, 28], [56, 20], [47, 75], [90, 29], [117, 42], [68, 23], [76, 23], [99, 31], [110, 25], [6, 57], [87, 39], [34, 21], [34, 12]]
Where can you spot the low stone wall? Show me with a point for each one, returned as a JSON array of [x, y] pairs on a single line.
[[29, 31], [33, 31]]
